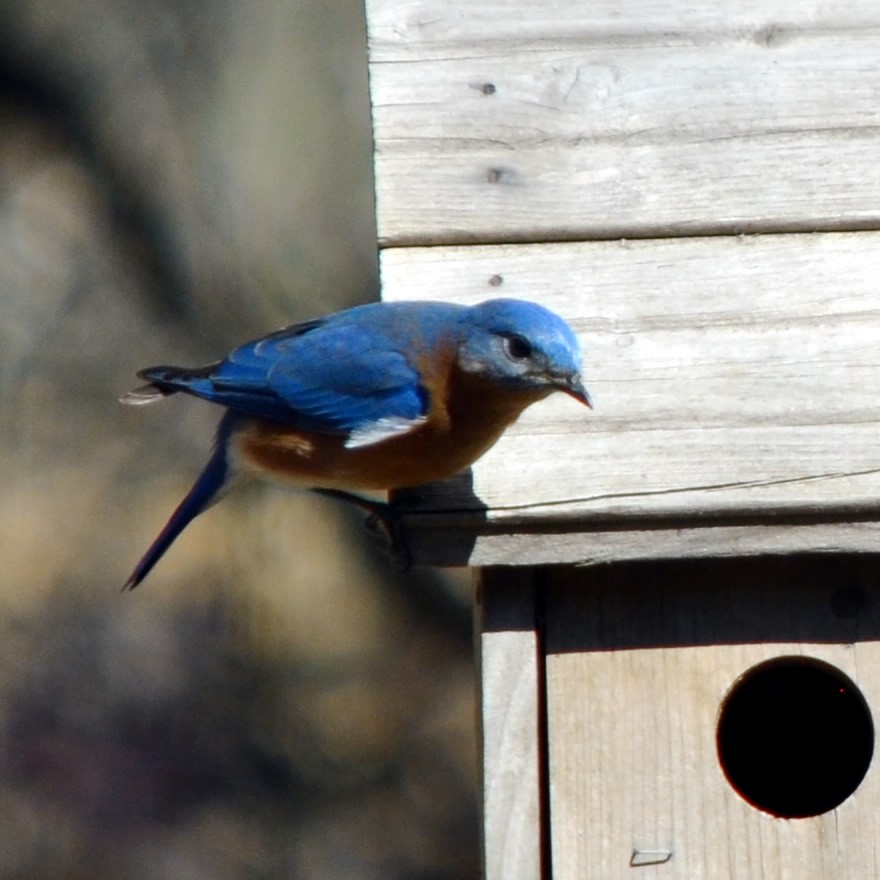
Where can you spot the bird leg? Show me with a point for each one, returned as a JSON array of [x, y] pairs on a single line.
[[383, 521]]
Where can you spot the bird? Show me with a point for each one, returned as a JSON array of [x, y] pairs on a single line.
[[381, 396]]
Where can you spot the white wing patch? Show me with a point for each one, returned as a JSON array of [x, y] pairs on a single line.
[[382, 429]]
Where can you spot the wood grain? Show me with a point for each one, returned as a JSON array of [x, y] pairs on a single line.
[[639, 662], [511, 121], [736, 381], [604, 158], [511, 674]]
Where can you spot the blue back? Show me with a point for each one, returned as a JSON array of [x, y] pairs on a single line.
[[336, 373]]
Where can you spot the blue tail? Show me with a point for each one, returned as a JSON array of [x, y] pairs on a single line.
[[205, 491]]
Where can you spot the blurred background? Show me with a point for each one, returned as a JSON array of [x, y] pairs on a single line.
[[176, 177]]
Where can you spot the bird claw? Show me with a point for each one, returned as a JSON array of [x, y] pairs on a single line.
[[382, 522], [385, 526]]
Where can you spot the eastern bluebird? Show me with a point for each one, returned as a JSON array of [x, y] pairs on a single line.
[[380, 396]]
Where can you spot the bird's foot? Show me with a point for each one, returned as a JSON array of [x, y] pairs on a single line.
[[382, 522], [385, 525]]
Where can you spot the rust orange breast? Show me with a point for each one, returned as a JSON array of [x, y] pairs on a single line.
[[466, 417]]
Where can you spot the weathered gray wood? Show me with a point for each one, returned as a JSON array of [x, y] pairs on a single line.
[[511, 667], [736, 381], [401, 30], [639, 660], [434, 540], [501, 120]]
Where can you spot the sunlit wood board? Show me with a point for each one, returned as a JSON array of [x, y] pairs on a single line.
[[639, 663], [736, 382], [504, 120]]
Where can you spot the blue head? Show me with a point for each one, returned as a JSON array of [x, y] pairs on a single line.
[[522, 346]]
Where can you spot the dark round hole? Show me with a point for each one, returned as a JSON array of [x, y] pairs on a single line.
[[795, 737]]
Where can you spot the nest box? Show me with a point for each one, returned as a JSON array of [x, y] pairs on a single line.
[[678, 592]]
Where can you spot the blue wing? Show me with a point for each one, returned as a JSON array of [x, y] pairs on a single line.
[[350, 373]]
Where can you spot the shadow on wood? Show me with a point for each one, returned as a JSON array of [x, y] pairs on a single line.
[[824, 599], [434, 528]]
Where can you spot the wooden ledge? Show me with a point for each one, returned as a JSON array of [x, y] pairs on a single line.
[[737, 388]]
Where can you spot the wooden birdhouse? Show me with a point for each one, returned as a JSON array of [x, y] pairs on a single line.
[[679, 597]]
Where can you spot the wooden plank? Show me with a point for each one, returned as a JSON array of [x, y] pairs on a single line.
[[511, 667], [451, 540], [734, 377], [498, 120], [639, 662], [408, 30]]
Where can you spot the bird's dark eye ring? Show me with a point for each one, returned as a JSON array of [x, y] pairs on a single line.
[[518, 348]]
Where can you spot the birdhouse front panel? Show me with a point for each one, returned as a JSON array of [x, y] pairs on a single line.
[[713, 720]]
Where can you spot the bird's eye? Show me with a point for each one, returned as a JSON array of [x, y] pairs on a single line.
[[517, 348]]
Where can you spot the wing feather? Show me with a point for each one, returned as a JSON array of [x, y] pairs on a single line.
[[352, 373]]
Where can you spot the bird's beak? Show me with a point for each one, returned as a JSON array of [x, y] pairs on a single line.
[[574, 387]]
